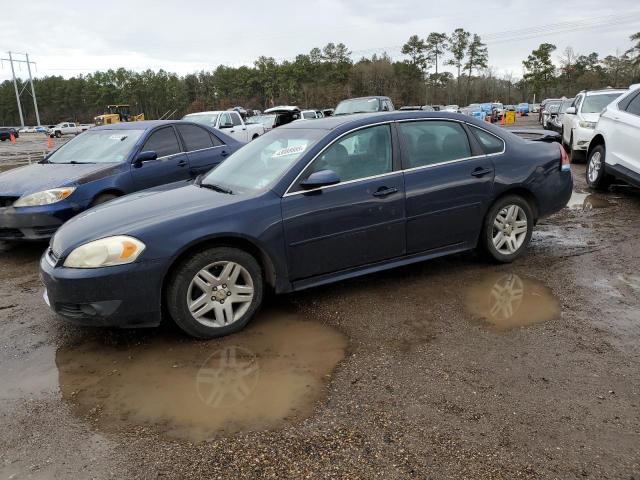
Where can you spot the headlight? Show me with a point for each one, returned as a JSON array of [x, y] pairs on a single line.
[[45, 197], [588, 124], [105, 252]]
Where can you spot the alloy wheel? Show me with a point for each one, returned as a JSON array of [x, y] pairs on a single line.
[[509, 229], [220, 294], [595, 164]]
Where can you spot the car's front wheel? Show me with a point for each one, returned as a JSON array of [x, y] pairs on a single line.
[[508, 228], [215, 292], [595, 174]]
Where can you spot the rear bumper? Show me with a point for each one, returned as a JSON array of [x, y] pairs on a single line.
[[35, 223], [557, 192], [124, 296]]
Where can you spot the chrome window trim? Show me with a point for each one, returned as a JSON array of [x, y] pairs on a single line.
[[389, 122], [288, 192], [208, 148]]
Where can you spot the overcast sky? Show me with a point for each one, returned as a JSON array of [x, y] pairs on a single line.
[[77, 37]]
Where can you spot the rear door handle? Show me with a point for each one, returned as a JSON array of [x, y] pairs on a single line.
[[182, 163], [479, 172], [384, 191]]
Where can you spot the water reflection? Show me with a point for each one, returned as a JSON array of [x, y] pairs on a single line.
[[274, 371], [587, 201], [505, 301]]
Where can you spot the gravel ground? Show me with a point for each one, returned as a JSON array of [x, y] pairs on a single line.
[[430, 381]]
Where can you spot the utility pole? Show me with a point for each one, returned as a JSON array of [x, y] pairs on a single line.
[[15, 86], [11, 60]]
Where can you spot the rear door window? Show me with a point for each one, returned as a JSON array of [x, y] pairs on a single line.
[[195, 138], [164, 142], [634, 105], [490, 143], [433, 142]]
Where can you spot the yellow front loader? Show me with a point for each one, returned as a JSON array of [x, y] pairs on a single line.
[[116, 114]]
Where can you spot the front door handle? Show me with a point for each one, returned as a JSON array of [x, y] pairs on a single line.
[[384, 191], [480, 172], [182, 163]]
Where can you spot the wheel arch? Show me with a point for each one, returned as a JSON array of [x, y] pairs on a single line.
[[241, 243], [523, 192], [598, 139]]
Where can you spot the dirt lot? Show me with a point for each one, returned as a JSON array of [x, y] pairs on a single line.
[[454, 368]]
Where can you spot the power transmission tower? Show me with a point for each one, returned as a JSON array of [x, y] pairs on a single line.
[[11, 60]]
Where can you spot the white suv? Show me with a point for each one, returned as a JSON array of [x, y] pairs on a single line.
[[614, 151], [581, 117]]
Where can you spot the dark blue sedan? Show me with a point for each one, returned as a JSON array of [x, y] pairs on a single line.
[[304, 205], [100, 165]]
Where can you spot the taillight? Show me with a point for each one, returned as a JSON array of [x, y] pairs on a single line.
[[565, 163]]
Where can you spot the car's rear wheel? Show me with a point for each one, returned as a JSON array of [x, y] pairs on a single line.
[[508, 228], [595, 174], [58, 134], [215, 292]]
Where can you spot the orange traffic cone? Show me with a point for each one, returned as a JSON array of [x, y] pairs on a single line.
[[12, 138], [502, 119], [49, 142]]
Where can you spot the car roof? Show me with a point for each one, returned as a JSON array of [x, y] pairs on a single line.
[[379, 97], [358, 119], [605, 91], [141, 125]]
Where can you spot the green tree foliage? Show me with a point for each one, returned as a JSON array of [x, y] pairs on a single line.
[[458, 43], [477, 58], [540, 70]]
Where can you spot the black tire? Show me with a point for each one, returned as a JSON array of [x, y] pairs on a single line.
[[3, 139], [488, 228], [601, 180], [58, 134], [103, 198], [255, 136], [178, 289]]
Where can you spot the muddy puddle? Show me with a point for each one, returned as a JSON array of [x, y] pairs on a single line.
[[271, 373], [506, 300], [587, 201]]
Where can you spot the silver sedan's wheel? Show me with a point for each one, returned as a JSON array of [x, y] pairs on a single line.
[[595, 164], [220, 294], [510, 228]]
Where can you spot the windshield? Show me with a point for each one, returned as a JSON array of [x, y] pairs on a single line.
[[260, 163], [596, 103], [97, 146], [266, 120], [208, 119], [566, 104], [357, 105]]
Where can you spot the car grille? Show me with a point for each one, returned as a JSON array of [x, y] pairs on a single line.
[[71, 310], [7, 201], [45, 230], [10, 233]]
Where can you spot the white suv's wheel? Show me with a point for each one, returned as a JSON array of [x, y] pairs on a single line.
[[595, 174]]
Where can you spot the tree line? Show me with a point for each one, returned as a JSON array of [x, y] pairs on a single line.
[[324, 76]]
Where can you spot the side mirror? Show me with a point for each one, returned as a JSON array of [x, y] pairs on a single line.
[[319, 179], [145, 156], [226, 125], [571, 111]]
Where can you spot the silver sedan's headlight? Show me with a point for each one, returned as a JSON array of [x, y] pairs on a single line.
[[105, 252], [45, 197]]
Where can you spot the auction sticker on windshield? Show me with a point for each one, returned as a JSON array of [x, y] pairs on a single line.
[[289, 151]]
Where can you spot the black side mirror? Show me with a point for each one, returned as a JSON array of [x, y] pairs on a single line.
[[145, 156], [319, 179]]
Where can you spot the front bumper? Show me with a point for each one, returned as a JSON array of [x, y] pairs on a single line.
[[123, 296], [35, 223], [582, 137]]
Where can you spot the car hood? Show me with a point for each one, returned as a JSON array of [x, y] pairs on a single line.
[[132, 213], [42, 176]]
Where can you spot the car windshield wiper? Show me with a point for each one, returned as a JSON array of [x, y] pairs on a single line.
[[217, 188]]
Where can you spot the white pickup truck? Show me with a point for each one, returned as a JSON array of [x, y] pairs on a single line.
[[229, 122], [65, 128]]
